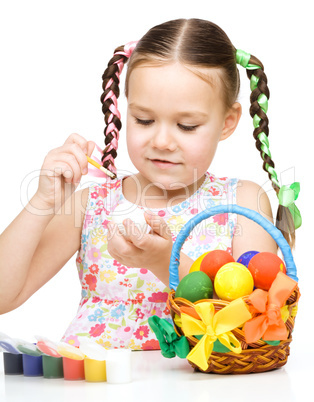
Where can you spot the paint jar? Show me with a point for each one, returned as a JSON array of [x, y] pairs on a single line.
[[118, 366], [73, 369], [95, 370], [13, 363], [32, 365], [52, 367]]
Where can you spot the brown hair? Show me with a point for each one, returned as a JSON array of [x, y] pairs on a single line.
[[194, 43]]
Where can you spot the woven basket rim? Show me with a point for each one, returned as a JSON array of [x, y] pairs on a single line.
[[253, 355]]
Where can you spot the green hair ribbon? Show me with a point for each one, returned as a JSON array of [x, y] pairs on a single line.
[[243, 58], [286, 196], [170, 343]]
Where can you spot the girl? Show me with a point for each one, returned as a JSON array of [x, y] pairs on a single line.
[[182, 85]]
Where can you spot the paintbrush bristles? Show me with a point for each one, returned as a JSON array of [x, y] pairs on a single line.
[[98, 166], [103, 169]]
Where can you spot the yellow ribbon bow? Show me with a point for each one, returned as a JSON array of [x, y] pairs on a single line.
[[269, 325], [214, 326]]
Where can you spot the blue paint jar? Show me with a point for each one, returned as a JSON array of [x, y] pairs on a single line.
[[32, 365]]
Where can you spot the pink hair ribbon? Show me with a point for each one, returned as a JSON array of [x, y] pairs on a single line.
[[96, 156], [111, 127], [128, 49]]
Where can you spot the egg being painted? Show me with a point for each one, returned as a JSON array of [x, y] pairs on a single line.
[[125, 211], [195, 286]]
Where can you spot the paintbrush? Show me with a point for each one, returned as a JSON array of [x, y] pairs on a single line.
[[98, 166]]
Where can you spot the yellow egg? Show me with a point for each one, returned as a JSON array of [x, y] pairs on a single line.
[[197, 263], [233, 280]]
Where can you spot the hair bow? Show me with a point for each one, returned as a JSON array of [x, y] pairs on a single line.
[[214, 326], [128, 49], [96, 156], [170, 343], [243, 58], [269, 325], [286, 196]]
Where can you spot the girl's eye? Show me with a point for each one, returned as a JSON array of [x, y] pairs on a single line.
[[187, 128], [143, 122]]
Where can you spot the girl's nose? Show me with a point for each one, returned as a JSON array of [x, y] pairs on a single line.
[[163, 139]]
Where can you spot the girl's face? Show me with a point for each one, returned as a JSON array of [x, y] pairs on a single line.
[[175, 116]]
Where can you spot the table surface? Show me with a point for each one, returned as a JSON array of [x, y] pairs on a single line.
[[156, 378]]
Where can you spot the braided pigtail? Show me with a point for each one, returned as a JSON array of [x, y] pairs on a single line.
[[288, 217], [111, 81]]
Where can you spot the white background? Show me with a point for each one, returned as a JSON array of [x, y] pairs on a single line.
[[53, 54]]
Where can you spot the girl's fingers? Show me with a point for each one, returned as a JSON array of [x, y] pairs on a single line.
[[60, 168], [158, 225], [90, 147], [65, 167], [73, 152], [113, 230], [79, 140], [73, 162], [86, 146], [70, 160], [117, 243], [137, 236]]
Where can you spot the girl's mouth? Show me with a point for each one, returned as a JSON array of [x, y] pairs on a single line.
[[163, 164]]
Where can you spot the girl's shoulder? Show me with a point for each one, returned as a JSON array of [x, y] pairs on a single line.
[[249, 234], [253, 196]]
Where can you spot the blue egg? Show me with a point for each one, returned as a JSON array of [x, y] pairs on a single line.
[[246, 257]]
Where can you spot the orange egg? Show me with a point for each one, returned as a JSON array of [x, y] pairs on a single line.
[[264, 268], [213, 261]]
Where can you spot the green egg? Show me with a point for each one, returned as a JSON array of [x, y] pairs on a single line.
[[195, 286]]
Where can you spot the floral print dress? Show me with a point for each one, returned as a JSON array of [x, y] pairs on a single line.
[[116, 299]]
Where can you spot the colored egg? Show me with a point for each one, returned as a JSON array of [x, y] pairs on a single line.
[[197, 263], [264, 268], [232, 281], [195, 286], [213, 261], [246, 257]]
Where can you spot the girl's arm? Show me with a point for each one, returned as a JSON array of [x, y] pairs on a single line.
[[34, 248], [45, 235], [248, 234]]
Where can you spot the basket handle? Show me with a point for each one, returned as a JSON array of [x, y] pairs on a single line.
[[236, 209]]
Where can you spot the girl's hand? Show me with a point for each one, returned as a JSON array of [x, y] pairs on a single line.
[[151, 251], [62, 170]]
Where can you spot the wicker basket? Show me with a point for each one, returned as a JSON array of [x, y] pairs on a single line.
[[255, 357]]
